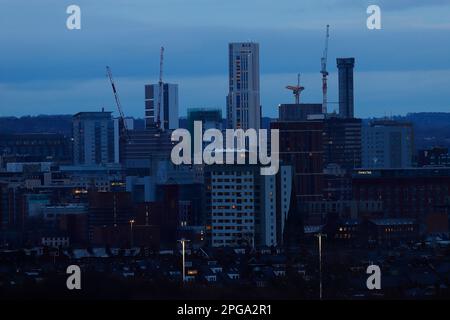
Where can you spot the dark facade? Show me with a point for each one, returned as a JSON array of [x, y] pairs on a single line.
[[149, 213], [148, 224], [294, 230], [93, 138], [4, 207], [158, 217], [342, 153], [342, 143], [13, 215], [142, 230], [191, 197], [387, 144], [388, 231], [343, 229], [337, 184], [169, 105], [301, 145], [438, 223], [380, 231], [75, 226], [109, 209], [436, 156], [36, 146], [405, 193], [143, 148], [169, 196], [124, 237], [346, 97], [12, 208], [298, 112], [114, 221]]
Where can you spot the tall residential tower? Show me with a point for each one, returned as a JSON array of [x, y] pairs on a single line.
[[243, 100], [93, 138]]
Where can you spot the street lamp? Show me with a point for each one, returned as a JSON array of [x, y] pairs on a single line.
[[320, 235], [183, 248], [146, 215], [131, 232]]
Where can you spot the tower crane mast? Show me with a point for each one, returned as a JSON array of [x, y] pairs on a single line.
[[324, 72], [123, 123]]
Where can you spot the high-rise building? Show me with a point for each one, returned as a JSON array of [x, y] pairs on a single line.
[[168, 113], [342, 145], [93, 138], [405, 193], [243, 100], [144, 149], [230, 203], [244, 207], [109, 209], [39, 146], [210, 118], [273, 226], [301, 145], [12, 207], [387, 144], [346, 97], [298, 112]]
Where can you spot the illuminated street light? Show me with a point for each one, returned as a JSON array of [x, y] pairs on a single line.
[[183, 246], [320, 235], [131, 232]]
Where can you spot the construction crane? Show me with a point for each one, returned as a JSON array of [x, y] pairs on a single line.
[[122, 122], [324, 73], [296, 90], [161, 88]]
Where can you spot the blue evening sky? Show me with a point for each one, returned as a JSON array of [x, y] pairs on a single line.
[[47, 69]]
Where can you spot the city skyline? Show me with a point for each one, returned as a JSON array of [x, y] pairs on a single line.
[[191, 173], [392, 75]]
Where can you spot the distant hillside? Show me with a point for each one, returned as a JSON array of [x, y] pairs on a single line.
[[430, 128], [44, 124], [37, 124]]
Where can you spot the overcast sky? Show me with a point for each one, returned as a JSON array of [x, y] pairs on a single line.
[[47, 69]]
